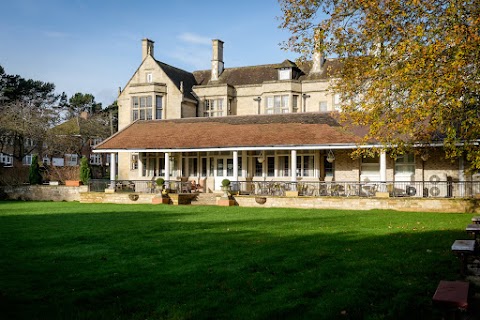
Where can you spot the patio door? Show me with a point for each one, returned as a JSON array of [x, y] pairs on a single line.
[[223, 169]]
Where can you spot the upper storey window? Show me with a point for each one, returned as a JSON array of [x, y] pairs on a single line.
[[285, 74], [143, 108], [213, 108], [277, 104]]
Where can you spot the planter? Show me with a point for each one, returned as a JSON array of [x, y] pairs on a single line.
[[73, 183], [225, 202], [260, 200], [291, 193]]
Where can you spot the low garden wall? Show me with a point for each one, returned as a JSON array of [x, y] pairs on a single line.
[[81, 194], [43, 193], [359, 203]]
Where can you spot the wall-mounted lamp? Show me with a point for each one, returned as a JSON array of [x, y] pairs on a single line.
[[424, 156], [305, 97], [330, 156], [261, 158]]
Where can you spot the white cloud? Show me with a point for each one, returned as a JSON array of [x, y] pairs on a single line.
[[192, 38]]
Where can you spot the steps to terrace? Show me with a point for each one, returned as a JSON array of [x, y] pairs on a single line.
[[206, 199]]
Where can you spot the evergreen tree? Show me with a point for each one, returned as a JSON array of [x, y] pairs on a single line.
[[84, 171], [34, 176]]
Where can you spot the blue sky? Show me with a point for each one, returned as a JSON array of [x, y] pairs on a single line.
[[94, 46]]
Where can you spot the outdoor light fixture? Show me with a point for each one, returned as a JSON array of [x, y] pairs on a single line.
[[425, 156], [330, 156], [261, 158]]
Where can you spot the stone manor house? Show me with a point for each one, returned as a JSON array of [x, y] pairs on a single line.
[[261, 127]]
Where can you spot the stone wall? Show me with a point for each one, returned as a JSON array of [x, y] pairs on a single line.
[[44, 193], [357, 203], [118, 197]]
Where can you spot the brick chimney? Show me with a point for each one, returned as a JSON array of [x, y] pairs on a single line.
[[217, 59], [318, 58], [147, 48]]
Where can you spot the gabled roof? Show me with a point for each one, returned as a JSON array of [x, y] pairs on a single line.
[[177, 76], [293, 129], [256, 75]]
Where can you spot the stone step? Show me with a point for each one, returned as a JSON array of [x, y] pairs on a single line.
[[206, 199]]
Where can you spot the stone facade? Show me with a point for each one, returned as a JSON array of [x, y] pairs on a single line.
[[170, 93]]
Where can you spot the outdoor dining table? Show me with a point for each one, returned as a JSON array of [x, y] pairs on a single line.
[[473, 228], [463, 249]]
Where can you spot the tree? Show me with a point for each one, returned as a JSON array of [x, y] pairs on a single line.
[[84, 171], [410, 67], [28, 108], [80, 102], [34, 176]]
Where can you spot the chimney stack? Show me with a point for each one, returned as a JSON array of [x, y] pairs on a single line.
[[318, 58], [217, 59], [147, 48]]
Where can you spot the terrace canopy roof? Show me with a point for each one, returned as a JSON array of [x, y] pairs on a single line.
[[282, 131]]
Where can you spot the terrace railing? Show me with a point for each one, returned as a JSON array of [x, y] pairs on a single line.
[[425, 189]]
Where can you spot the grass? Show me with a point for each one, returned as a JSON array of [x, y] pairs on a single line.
[[101, 261]]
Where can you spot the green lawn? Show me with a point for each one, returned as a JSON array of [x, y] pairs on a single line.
[[100, 261]]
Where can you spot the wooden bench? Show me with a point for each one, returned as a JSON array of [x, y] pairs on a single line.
[[476, 220], [451, 297]]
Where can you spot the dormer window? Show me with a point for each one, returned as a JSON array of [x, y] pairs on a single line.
[[285, 74]]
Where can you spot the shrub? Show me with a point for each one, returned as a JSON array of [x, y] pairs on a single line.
[[160, 182], [225, 182], [34, 176], [84, 171]]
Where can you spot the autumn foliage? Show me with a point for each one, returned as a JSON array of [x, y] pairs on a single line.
[[411, 67]]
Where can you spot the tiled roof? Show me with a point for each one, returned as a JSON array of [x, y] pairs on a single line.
[[179, 75], [293, 129], [268, 72]]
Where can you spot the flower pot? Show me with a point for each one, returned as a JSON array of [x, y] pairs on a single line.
[[73, 183]]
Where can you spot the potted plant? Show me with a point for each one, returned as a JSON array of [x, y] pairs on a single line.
[[225, 187], [160, 184]]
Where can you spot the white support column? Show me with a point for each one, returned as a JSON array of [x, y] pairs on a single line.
[[294, 165], [244, 164], [113, 170], [383, 166], [180, 166], [167, 166], [235, 165]]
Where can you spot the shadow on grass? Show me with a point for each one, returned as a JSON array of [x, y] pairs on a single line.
[[198, 263]]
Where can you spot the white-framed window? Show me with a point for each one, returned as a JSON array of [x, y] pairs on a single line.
[[323, 106], [285, 74], [6, 160], [337, 102], [142, 108], [405, 164], [27, 160], [134, 161], [71, 160], [370, 168], [277, 104], [305, 165], [29, 142], [58, 162], [149, 77], [213, 108], [95, 141], [46, 161], [96, 159], [153, 165], [158, 107], [295, 103]]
